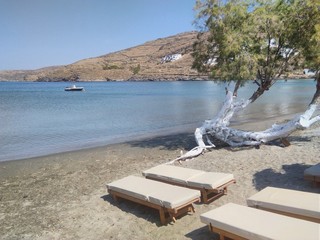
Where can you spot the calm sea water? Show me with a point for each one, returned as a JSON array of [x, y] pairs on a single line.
[[41, 118]]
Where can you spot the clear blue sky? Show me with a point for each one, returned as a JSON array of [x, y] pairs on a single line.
[[40, 33]]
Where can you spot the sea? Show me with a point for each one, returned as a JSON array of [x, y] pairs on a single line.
[[40, 118]]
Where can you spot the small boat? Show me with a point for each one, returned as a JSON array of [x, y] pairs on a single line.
[[74, 88]]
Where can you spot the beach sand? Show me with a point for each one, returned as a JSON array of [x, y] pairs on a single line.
[[64, 196]]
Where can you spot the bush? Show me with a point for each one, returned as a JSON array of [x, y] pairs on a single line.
[[110, 67], [136, 69]]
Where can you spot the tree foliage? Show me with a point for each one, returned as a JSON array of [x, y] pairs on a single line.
[[244, 40], [255, 40]]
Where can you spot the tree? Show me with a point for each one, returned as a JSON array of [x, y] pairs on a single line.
[[241, 41]]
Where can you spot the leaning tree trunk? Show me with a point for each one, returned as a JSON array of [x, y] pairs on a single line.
[[218, 128]]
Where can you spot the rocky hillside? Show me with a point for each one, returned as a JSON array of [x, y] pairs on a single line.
[[162, 59]]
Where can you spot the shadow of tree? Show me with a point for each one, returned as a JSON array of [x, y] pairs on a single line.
[[184, 141], [300, 139], [291, 177]]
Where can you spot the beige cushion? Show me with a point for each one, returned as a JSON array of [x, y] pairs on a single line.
[[188, 177], [171, 173], [313, 171], [173, 196], [162, 194], [132, 186], [210, 180], [252, 223], [285, 200]]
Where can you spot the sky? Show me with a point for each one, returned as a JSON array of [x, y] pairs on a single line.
[[42, 33]]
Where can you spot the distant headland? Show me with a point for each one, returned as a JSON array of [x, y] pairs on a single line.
[[163, 59]]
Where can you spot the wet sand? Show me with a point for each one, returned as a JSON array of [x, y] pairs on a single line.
[[63, 196]]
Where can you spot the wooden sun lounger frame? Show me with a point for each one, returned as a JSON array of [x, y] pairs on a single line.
[[207, 195], [314, 179], [289, 214], [258, 205], [224, 235], [166, 214], [242, 223]]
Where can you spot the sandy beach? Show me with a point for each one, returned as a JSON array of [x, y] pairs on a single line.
[[63, 196]]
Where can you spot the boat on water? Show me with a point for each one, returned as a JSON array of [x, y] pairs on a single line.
[[74, 88]]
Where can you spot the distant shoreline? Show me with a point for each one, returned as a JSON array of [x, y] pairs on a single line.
[[177, 79]]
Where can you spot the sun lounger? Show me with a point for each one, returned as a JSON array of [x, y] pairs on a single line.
[[211, 184], [171, 201], [303, 205], [313, 174], [242, 222]]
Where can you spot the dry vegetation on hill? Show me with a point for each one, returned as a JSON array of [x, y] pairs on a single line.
[[143, 62]]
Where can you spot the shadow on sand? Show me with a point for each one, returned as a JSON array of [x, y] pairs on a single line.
[[291, 177], [132, 208], [202, 233], [185, 141]]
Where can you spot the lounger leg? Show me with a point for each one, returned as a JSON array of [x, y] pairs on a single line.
[[162, 216], [224, 235], [174, 219], [115, 198], [316, 184], [221, 236], [191, 209], [225, 191], [204, 196], [210, 196]]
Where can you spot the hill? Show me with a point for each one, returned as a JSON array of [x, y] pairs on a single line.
[[162, 59]]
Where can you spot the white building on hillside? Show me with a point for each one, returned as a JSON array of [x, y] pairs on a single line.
[[171, 58], [309, 72]]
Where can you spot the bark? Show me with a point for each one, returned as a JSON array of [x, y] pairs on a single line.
[[316, 97]]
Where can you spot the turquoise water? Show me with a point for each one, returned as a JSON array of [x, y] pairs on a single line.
[[41, 118]]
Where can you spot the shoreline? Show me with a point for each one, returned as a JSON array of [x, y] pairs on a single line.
[[252, 126], [182, 78], [120, 140], [167, 141], [64, 196]]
